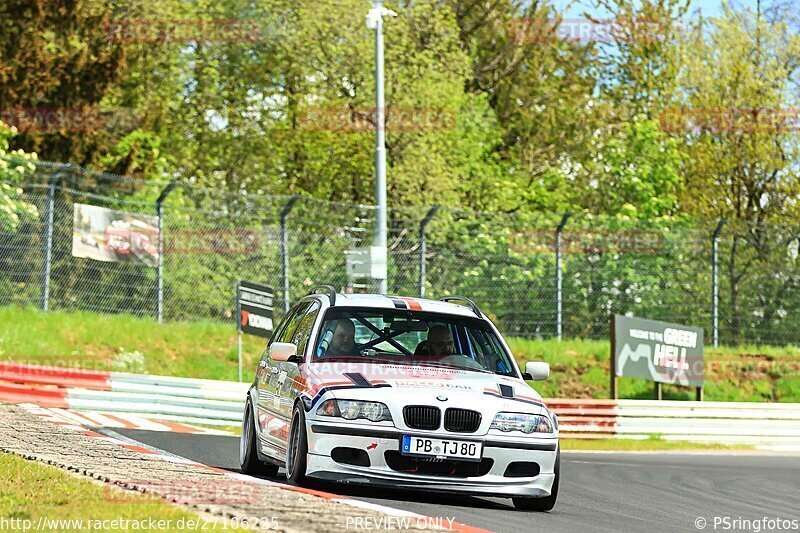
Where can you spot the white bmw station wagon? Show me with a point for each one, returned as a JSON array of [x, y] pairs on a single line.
[[403, 393]]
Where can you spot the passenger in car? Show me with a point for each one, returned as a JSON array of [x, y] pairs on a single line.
[[344, 339]]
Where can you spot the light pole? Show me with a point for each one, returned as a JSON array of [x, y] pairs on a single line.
[[375, 22]]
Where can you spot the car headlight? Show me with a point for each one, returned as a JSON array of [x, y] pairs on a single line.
[[355, 409], [526, 423]]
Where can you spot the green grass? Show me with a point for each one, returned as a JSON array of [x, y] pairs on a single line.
[[32, 491], [208, 350], [642, 445], [125, 343]]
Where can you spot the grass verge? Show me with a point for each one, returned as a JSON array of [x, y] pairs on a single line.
[[47, 498], [125, 343], [641, 445]]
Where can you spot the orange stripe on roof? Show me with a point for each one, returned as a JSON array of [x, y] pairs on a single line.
[[412, 303]]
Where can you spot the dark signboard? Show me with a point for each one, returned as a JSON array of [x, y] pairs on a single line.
[[657, 351], [254, 308]]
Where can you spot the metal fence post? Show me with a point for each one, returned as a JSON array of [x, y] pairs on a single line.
[[285, 251], [160, 270], [48, 243], [559, 275], [423, 248], [715, 283]]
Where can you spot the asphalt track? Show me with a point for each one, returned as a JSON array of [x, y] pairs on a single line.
[[599, 491]]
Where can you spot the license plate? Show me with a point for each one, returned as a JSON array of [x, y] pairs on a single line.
[[443, 448]]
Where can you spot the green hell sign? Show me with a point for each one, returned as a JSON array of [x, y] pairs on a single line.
[[657, 351]]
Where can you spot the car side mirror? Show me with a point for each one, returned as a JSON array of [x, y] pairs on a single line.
[[282, 351], [537, 370]]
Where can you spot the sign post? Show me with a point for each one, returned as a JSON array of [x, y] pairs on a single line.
[[660, 352], [254, 312]]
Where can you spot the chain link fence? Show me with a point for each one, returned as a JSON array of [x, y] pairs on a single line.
[[536, 275]]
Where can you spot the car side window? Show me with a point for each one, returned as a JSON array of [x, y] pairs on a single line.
[[287, 327], [291, 324], [304, 327]]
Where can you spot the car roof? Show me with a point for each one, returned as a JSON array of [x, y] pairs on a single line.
[[381, 301]]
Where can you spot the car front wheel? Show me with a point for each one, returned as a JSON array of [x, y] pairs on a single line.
[[542, 504], [297, 449], [248, 454]]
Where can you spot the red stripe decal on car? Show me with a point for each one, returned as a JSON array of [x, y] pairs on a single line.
[[412, 303]]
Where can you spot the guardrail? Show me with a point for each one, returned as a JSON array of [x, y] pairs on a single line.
[[221, 403], [167, 398]]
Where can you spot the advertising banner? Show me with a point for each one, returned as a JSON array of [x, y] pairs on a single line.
[[658, 351], [114, 236], [255, 307]]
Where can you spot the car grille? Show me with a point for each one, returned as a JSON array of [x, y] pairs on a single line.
[[430, 466], [461, 420], [422, 416]]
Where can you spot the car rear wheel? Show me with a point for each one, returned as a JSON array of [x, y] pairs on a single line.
[[542, 504], [297, 449], [248, 454]]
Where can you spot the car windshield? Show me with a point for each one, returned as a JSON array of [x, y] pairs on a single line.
[[414, 338]]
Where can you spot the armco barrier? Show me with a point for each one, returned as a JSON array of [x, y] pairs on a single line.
[[771, 424], [162, 397], [222, 402]]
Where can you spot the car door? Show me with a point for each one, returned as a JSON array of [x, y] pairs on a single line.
[[271, 377], [294, 383]]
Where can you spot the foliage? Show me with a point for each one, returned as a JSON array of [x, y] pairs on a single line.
[[15, 166]]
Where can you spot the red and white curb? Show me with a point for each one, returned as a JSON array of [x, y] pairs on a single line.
[[58, 417], [90, 419]]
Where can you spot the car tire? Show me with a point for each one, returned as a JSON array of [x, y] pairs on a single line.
[[542, 504], [248, 453], [297, 448]]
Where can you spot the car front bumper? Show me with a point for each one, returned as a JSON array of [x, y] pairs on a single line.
[[376, 441]]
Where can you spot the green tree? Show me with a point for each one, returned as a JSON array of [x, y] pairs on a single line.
[[15, 165], [736, 120]]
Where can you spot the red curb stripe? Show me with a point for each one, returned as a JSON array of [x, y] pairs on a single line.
[[312, 492], [137, 449], [126, 423], [51, 375], [90, 433], [211, 468], [177, 427], [15, 393]]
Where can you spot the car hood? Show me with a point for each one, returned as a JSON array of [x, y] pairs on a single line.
[[407, 384]]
